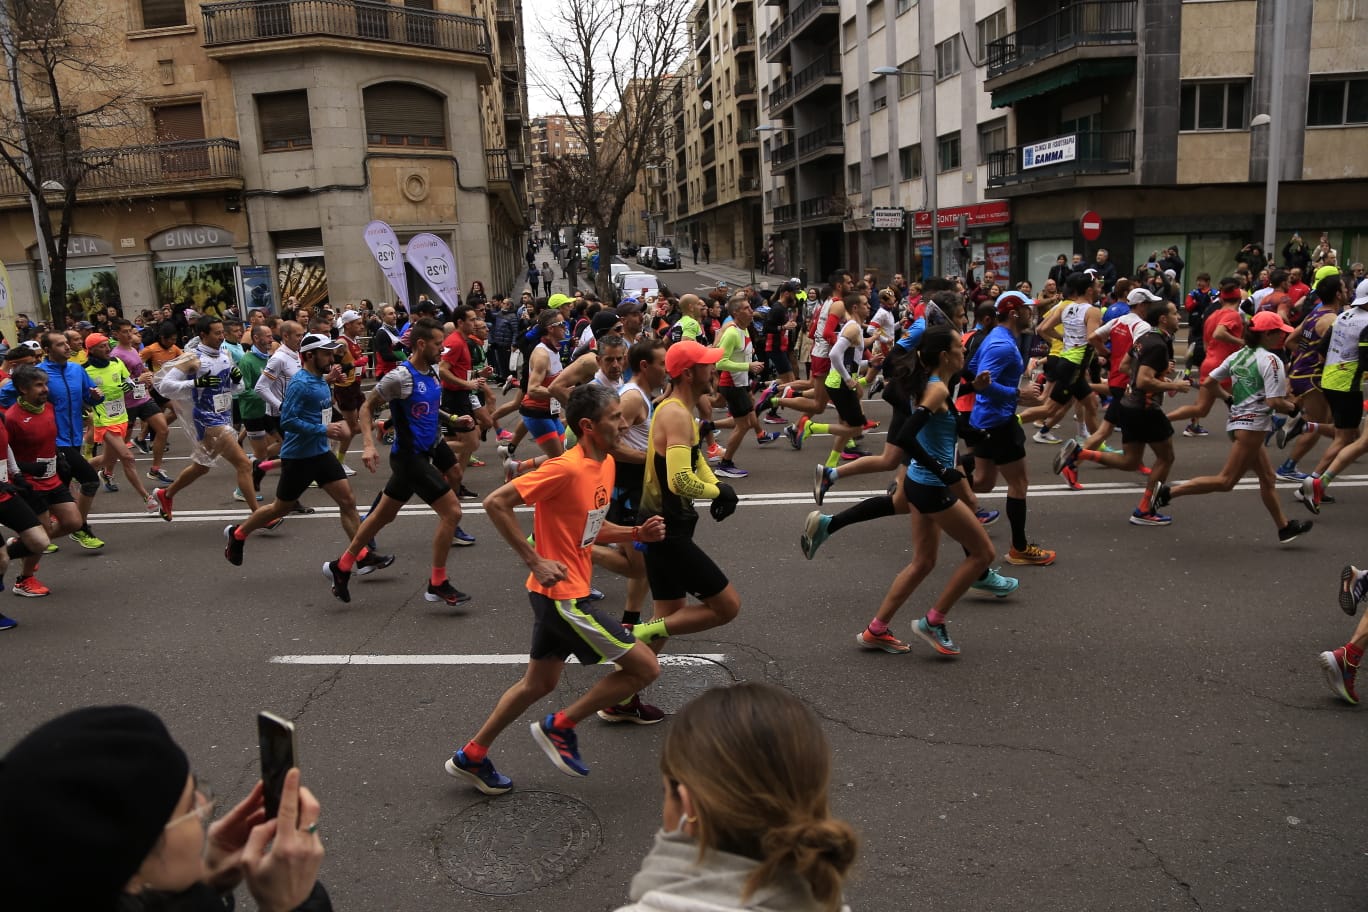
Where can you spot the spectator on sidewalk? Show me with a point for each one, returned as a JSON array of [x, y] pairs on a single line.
[[695, 251], [707, 253], [101, 811]]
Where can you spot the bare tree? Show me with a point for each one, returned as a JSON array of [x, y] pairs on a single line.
[[610, 68], [65, 80]]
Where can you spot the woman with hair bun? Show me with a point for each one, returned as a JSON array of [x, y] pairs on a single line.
[[747, 822]]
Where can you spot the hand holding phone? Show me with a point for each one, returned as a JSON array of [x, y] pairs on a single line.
[[276, 740]]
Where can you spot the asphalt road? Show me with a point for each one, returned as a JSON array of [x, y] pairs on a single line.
[[1141, 726]]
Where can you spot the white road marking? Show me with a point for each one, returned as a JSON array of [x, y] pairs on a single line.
[[705, 658], [775, 499]]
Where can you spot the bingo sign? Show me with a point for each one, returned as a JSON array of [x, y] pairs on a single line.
[[1050, 152], [432, 259]]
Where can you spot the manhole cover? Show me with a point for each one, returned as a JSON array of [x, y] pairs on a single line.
[[683, 679], [519, 842]]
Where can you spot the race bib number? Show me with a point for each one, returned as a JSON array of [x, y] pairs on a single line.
[[326, 416], [475, 401], [139, 391], [223, 402], [555, 406], [592, 524], [4, 471], [49, 467], [114, 408]]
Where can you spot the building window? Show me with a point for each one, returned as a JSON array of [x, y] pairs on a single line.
[[947, 58], [991, 29], [853, 106], [283, 118], [878, 93], [163, 13], [876, 16], [910, 162], [903, 6], [400, 114], [908, 82], [1334, 102], [1214, 106], [992, 138], [948, 152], [848, 34], [880, 169], [853, 178]]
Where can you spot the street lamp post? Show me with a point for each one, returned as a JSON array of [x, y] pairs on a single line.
[[1275, 97], [797, 203], [929, 182]]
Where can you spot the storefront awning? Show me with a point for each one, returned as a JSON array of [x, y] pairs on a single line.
[[1058, 78]]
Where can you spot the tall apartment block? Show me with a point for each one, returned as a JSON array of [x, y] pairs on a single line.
[[1147, 112], [716, 154], [274, 131]]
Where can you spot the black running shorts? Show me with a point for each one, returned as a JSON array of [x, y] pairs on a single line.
[[297, 474], [1003, 443], [676, 568], [414, 474], [573, 627]]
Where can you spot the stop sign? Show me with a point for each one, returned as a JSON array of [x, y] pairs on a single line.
[[1091, 225]]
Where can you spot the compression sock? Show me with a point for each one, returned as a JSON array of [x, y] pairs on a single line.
[[650, 630], [833, 459], [878, 627], [864, 511], [439, 576], [1326, 477], [475, 753], [1089, 455], [935, 618], [1147, 501], [561, 720], [817, 427], [347, 561], [267, 465], [1016, 515]]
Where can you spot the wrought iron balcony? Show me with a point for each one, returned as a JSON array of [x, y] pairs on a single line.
[[232, 25], [744, 36], [748, 183], [822, 208], [1072, 154], [709, 195], [784, 215], [830, 138], [709, 155], [1083, 22], [137, 171], [795, 23], [825, 70]]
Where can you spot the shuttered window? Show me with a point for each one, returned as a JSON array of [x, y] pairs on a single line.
[[283, 118], [163, 13], [178, 122], [399, 114]]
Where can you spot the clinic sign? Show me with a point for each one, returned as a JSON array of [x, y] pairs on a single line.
[[1050, 152]]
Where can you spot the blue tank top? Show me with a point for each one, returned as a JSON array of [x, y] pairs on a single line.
[[938, 439], [417, 431]]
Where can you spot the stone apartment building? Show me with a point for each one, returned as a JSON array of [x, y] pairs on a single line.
[[274, 132], [714, 166]]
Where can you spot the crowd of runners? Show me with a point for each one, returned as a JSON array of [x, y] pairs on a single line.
[[626, 407]]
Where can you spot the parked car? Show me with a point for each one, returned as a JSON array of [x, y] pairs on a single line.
[[664, 258], [643, 256], [633, 284], [617, 269]]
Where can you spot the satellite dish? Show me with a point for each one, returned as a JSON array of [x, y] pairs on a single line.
[[707, 105]]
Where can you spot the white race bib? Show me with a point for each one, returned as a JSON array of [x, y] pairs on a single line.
[[49, 467], [114, 408], [326, 416], [475, 401], [223, 402], [139, 391], [593, 522], [4, 471], [555, 406]]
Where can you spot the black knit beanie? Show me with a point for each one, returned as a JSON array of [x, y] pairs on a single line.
[[83, 800]]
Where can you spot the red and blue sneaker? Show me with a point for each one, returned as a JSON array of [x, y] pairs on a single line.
[[560, 745], [482, 775]]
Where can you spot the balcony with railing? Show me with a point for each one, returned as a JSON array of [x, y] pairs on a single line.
[[745, 87], [785, 215], [744, 36], [704, 73], [1072, 155], [747, 136], [795, 24], [821, 209], [185, 166], [504, 11], [827, 140], [825, 71], [705, 116], [682, 207], [709, 155], [783, 157], [1101, 24], [709, 195], [239, 28], [748, 183]]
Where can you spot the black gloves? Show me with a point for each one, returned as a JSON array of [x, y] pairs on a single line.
[[206, 381], [724, 504], [235, 374]]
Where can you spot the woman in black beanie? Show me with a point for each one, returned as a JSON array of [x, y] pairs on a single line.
[[100, 812]]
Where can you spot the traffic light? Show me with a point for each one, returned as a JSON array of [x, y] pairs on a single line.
[[963, 249]]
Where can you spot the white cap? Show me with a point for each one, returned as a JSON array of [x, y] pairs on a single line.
[[1171, 273], [315, 341], [1140, 296], [347, 317], [1361, 294], [36, 347]]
